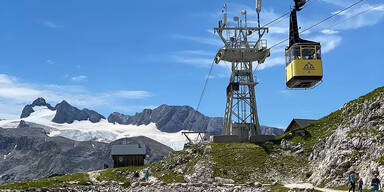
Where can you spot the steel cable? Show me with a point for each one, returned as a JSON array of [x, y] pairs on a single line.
[[322, 21]]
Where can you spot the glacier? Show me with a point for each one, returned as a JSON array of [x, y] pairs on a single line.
[[101, 131]]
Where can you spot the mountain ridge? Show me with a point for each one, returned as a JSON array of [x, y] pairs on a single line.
[[170, 119], [65, 112], [28, 109]]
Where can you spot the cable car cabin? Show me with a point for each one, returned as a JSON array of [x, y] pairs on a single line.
[[303, 65]]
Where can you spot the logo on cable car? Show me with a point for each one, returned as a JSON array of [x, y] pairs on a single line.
[[309, 66]]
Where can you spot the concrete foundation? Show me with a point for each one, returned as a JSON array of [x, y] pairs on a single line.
[[224, 139], [241, 130], [261, 138]]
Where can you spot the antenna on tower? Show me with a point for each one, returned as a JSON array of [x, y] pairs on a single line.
[[258, 6], [224, 11], [258, 10]]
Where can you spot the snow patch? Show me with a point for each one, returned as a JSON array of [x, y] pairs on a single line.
[[100, 131], [42, 114]]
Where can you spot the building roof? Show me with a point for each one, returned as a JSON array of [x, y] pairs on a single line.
[[303, 122], [128, 149], [299, 122]]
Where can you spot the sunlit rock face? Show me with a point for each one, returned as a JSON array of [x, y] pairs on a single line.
[[356, 144]]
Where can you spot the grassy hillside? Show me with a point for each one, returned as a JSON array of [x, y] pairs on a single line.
[[241, 162], [325, 126], [52, 182]]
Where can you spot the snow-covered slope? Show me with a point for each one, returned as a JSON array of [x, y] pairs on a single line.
[[100, 131]]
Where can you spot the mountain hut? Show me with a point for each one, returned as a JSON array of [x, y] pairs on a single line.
[[128, 155]]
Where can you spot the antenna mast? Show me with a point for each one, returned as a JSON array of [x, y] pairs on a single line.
[[258, 10], [240, 119]]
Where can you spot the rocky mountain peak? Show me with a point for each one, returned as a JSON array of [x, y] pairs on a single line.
[[176, 118], [28, 109], [39, 102], [63, 103], [167, 118], [22, 124], [66, 113]]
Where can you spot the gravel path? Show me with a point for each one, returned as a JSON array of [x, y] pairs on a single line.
[[309, 185]]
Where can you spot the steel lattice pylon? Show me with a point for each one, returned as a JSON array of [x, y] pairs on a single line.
[[241, 118], [240, 107]]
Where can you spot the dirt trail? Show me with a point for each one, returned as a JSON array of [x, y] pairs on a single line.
[[309, 185]]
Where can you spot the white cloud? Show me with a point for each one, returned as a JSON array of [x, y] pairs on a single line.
[[196, 61], [279, 30], [204, 61], [49, 62], [361, 15], [5, 79], [329, 31], [132, 94], [328, 42], [273, 61], [365, 15], [79, 78], [195, 52], [52, 25], [340, 3], [212, 40], [134, 108], [15, 94]]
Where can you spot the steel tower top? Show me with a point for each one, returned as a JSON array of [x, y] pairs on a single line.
[[243, 45]]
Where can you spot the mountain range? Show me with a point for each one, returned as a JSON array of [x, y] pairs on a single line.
[[168, 119], [63, 139]]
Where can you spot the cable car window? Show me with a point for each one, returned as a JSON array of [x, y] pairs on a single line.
[[309, 53], [296, 53], [318, 52], [289, 57]]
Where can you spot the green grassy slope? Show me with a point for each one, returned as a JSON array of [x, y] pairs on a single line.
[[52, 182]]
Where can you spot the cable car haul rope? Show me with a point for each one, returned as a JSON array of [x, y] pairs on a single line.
[[303, 52], [322, 21]]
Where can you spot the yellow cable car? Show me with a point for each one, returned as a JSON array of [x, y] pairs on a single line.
[[303, 67]]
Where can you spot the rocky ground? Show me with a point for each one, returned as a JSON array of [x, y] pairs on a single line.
[[205, 167]]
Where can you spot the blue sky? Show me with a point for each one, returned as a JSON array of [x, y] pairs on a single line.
[[128, 55]]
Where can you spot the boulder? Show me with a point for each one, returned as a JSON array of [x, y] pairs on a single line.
[[224, 181]]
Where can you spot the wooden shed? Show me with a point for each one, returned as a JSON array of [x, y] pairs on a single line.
[[128, 155], [297, 123]]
